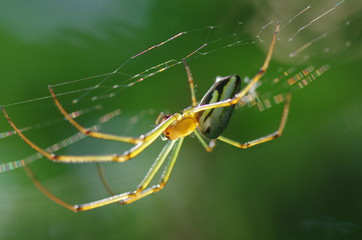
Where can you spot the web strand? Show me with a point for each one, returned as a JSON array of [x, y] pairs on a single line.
[[236, 37]]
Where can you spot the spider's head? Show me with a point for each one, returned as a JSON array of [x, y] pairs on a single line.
[[179, 128]]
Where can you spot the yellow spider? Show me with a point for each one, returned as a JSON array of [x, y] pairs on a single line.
[[209, 117]]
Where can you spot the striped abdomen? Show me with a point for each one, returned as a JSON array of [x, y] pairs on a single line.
[[212, 122]]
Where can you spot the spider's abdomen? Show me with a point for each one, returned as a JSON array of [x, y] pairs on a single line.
[[212, 122]]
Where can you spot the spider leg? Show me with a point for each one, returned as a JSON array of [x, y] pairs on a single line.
[[142, 190], [104, 180], [149, 175], [87, 131], [123, 198], [45, 191], [74, 208], [208, 146], [191, 83], [254, 80], [266, 138], [145, 141]]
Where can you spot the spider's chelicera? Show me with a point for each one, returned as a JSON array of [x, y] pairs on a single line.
[[206, 119]]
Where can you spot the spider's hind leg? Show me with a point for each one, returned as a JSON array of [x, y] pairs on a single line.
[[266, 138], [208, 146], [248, 87]]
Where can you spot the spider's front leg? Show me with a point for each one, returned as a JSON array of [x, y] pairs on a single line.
[[142, 190], [145, 141], [94, 134]]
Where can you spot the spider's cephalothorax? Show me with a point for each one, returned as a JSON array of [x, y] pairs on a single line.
[[181, 127], [210, 118]]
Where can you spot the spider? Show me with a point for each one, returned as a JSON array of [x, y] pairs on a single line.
[[206, 119]]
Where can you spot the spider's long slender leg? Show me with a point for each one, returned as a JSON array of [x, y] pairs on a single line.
[[146, 140], [267, 138], [45, 191], [208, 146], [253, 81], [149, 175], [104, 181], [124, 197], [156, 166], [109, 189], [56, 199], [142, 189], [191, 83], [86, 131]]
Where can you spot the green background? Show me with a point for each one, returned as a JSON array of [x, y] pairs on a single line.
[[305, 185]]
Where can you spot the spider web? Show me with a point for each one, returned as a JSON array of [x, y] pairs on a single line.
[[308, 31], [207, 40]]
